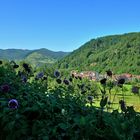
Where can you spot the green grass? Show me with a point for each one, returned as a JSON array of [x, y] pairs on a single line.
[[130, 98]]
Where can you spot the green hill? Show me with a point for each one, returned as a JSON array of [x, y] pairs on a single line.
[[40, 56], [120, 53], [44, 56], [13, 54]]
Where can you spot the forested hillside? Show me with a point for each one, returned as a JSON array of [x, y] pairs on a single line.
[[40, 56], [13, 54], [120, 53]]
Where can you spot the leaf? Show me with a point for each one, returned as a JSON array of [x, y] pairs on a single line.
[[62, 126], [10, 126], [45, 138], [82, 121]]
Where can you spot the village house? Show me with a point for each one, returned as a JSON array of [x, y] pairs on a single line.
[[86, 74]]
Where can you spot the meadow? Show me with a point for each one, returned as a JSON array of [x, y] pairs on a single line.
[[130, 99], [47, 104]]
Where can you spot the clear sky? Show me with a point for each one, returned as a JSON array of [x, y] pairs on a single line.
[[64, 24]]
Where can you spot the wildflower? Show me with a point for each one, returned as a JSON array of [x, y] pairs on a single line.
[[90, 98], [66, 82], [40, 75], [103, 81], [24, 79], [0, 62], [59, 81], [109, 73], [15, 66], [135, 89], [121, 101], [57, 73], [26, 67], [13, 103], [5, 88], [121, 81]]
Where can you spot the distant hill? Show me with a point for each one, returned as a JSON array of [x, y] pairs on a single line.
[[33, 56], [120, 53], [13, 54], [42, 56]]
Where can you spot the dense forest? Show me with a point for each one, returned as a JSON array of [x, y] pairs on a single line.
[[120, 53]]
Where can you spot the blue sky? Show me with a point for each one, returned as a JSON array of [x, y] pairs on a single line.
[[64, 24]]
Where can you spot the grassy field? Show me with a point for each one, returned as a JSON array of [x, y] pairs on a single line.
[[117, 94]]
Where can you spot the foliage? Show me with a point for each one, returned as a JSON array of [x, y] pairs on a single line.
[[120, 53], [47, 110], [36, 57]]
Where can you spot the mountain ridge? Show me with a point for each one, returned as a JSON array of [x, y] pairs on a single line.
[[35, 56]]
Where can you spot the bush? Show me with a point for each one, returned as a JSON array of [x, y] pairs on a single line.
[[44, 109]]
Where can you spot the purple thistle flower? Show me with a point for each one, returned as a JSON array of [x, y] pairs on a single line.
[[24, 79], [40, 75], [57, 73], [13, 104], [121, 81], [103, 81], [5, 88], [109, 73], [135, 89], [15, 66], [26, 67], [90, 98], [66, 82]]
